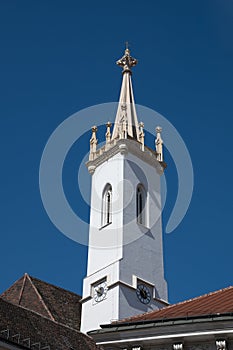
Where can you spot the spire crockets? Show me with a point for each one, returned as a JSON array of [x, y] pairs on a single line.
[[126, 122], [127, 131]]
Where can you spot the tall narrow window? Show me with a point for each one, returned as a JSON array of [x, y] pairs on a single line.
[[141, 205], [107, 205]]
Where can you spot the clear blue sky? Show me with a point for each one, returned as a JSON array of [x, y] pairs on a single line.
[[58, 57]]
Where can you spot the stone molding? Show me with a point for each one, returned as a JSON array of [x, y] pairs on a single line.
[[123, 146]]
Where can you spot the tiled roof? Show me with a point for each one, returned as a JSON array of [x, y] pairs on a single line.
[[33, 331], [218, 302], [50, 301]]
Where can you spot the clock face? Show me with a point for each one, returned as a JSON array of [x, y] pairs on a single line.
[[100, 291], [143, 294]]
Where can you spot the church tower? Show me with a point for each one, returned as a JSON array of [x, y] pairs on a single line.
[[125, 273]]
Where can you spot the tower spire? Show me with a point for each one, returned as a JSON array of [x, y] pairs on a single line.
[[126, 116]]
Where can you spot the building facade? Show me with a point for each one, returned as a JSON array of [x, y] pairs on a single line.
[[202, 323]]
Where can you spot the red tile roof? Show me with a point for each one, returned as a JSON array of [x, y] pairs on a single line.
[[218, 302], [50, 301]]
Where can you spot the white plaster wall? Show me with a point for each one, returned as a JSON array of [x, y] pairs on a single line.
[[110, 253], [105, 244], [144, 256], [96, 314], [129, 304], [110, 272]]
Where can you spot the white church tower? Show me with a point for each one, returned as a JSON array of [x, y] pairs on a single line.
[[125, 273]]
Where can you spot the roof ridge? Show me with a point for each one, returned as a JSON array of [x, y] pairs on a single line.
[[40, 297], [53, 285], [179, 303], [22, 288]]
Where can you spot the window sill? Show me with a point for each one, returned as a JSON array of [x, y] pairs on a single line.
[[102, 227], [143, 226]]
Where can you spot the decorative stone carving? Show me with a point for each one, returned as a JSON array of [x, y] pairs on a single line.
[[93, 143], [221, 344], [141, 135], [91, 169], [127, 61], [126, 121], [108, 135], [159, 144], [178, 346], [123, 148]]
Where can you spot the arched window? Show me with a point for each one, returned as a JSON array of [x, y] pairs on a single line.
[[141, 205], [107, 205]]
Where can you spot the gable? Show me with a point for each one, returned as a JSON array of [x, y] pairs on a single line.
[[50, 301]]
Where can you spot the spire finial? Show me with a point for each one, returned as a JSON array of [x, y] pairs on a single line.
[[127, 61], [126, 122]]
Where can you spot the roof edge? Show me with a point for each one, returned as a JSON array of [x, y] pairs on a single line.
[[164, 322], [131, 319]]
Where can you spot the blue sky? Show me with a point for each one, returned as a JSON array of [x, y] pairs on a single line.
[[58, 57]]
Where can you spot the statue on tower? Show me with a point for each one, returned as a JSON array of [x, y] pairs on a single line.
[[159, 144]]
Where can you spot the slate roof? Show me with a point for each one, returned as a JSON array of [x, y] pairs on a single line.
[[29, 330], [50, 301], [219, 302]]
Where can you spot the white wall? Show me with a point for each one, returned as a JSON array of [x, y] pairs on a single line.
[[124, 249]]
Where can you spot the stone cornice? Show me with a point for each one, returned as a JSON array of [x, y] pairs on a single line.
[[125, 146]]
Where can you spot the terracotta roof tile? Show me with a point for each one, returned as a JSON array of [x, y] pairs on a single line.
[[218, 302], [46, 299], [25, 327]]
